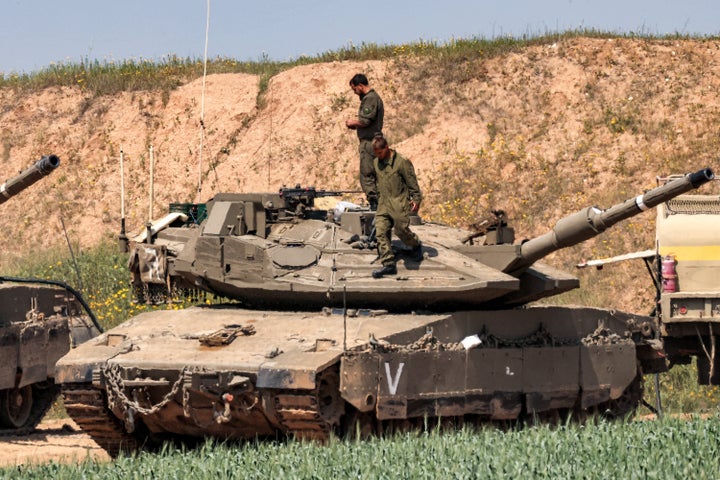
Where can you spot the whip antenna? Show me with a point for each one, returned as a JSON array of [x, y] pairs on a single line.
[[202, 104], [72, 254], [152, 184], [122, 238], [345, 317]]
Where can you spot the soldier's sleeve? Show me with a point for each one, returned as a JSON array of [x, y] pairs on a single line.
[[408, 172], [368, 109]]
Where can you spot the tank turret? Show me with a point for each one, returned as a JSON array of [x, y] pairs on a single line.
[[278, 249], [43, 167]]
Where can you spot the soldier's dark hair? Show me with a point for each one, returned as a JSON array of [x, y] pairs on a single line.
[[379, 141], [358, 79]]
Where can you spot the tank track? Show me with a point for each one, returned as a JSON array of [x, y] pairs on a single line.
[[44, 394], [626, 404], [300, 417], [315, 415], [87, 406]]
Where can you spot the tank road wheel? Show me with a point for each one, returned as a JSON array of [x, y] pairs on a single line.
[[15, 406], [21, 409]]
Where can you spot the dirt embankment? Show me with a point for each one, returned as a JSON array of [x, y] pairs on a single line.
[[614, 112]]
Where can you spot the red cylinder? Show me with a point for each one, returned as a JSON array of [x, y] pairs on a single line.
[[669, 274]]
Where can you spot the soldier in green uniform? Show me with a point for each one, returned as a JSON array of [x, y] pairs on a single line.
[[398, 196], [369, 121]]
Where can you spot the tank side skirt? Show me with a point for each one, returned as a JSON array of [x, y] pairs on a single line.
[[534, 374]]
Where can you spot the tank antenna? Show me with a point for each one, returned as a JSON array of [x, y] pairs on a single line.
[[152, 183], [344, 317], [72, 255], [122, 238], [202, 105]]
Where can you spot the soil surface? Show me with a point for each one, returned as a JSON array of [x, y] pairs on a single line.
[[53, 440]]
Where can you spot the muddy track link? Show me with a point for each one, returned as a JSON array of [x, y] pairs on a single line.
[[315, 415], [300, 417], [87, 406]]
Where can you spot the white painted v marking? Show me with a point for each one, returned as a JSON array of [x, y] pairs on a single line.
[[393, 382]]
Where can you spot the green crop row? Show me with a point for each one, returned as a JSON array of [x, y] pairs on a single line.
[[666, 449]]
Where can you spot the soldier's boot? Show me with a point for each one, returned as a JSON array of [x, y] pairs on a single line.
[[373, 202], [416, 253], [390, 269]]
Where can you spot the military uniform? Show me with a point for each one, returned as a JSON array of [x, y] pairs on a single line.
[[372, 112], [397, 185]]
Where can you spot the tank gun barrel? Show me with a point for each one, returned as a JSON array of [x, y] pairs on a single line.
[[27, 177], [592, 221]]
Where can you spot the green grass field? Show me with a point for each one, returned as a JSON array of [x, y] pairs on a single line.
[[665, 449]]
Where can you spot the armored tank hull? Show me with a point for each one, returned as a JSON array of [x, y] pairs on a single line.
[[38, 325], [452, 336], [234, 373]]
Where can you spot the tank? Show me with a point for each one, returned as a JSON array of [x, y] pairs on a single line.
[[310, 345], [39, 321]]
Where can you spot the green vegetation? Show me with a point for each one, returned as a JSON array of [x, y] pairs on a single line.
[[109, 76], [681, 393], [666, 449], [100, 274]]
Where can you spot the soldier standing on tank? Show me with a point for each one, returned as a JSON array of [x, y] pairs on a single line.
[[398, 195], [369, 121]]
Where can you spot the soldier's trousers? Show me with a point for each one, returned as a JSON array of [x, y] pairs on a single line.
[[367, 170], [384, 223]]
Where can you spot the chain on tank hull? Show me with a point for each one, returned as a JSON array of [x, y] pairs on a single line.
[[240, 374]]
